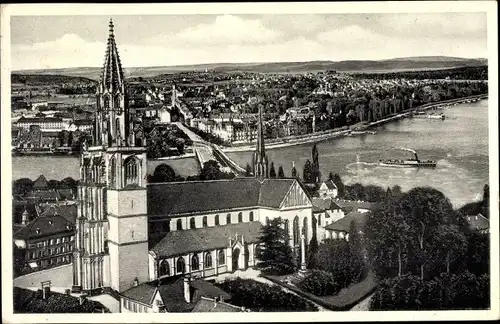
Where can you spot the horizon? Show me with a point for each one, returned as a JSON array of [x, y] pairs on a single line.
[[59, 42], [258, 63]]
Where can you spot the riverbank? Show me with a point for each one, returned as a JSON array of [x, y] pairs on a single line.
[[334, 133]]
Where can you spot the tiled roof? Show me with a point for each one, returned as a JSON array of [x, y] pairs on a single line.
[[44, 226], [206, 305], [44, 194], [330, 184], [478, 222], [40, 183], [203, 239], [322, 204], [344, 224], [143, 293], [174, 198], [69, 212]]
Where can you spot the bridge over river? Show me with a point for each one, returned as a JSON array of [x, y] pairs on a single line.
[[205, 151]]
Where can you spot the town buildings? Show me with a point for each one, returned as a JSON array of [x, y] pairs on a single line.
[[129, 232]]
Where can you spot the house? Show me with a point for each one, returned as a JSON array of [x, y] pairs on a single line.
[[340, 229], [45, 242], [479, 223], [325, 211], [41, 193], [328, 189], [355, 205], [178, 294]]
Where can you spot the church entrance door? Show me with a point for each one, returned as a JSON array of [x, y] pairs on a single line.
[[236, 258]]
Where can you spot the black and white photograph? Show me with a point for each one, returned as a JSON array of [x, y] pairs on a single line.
[[280, 160]]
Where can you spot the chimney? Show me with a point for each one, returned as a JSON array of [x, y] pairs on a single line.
[[187, 290], [221, 298], [136, 282]]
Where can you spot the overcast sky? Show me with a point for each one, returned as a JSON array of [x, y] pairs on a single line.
[[75, 41]]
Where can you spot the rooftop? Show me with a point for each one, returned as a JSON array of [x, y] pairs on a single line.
[[344, 224], [203, 239], [44, 226]]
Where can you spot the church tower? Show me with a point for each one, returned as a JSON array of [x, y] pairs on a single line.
[[112, 232], [260, 163]]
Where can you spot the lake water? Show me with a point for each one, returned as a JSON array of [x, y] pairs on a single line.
[[459, 144]]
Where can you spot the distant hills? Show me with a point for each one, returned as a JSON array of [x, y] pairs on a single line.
[[390, 65]]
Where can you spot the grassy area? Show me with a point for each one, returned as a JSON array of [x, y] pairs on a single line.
[[344, 300], [27, 301]]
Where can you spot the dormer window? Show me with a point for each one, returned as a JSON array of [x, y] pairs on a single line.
[[38, 231], [51, 222]]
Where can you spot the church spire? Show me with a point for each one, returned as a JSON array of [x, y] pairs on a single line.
[[260, 163], [112, 73]]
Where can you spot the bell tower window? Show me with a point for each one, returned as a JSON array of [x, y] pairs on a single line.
[[131, 169], [112, 172]]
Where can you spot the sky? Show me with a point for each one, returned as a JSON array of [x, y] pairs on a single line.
[[44, 42]]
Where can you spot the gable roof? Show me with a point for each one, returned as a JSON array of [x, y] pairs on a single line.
[[344, 224], [44, 226], [40, 183], [69, 212], [323, 204], [171, 291], [177, 198], [353, 204], [202, 239], [330, 184]]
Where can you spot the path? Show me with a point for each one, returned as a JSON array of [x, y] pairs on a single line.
[[254, 275], [363, 305]]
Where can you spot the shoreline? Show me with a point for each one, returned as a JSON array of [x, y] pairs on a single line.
[[307, 138]]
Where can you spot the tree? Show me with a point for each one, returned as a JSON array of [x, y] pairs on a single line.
[[307, 175], [210, 171], [452, 244], [340, 185], [22, 186], [272, 171], [274, 253], [330, 177], [315, 177], [294, 172], [355, 239], [485, 206], [281, 173], [248, 170], [163, 173]]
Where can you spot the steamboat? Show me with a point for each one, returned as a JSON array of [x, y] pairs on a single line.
[[409, 163]]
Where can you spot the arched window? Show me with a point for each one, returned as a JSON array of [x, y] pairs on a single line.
[[228, 219], [195, 263], [106, 102], [181, 265], [296, 231], [208, 260], [164, 268], [179, 224], [217, 220], [117, 127], [251, 216], [205, 221], [319, 220], [305, 230], [131, 169], [192, 223], [221, 257], [287, 227], [240, 217], [117, 104]]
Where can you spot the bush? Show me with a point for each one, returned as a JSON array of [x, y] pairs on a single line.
[[319, 283], [445, 292], [262, 297]]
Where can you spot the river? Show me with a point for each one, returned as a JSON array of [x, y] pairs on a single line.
[[459, 144]]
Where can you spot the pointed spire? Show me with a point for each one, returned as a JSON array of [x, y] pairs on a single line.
[[112, 73], [260, 159]]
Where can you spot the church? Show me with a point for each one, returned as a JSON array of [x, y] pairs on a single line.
[[129, 232]]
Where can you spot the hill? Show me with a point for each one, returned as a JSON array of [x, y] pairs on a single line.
[[42, 78], [391, 65]]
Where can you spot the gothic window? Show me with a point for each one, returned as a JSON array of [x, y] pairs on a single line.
[[205, 221], [240, 217], [117, 105], [304, 229], [251, 216], [112, 172], [181, 265], [195, 263], [217, 220], [131, 170], [117, 128], [287, 226], [296, 232], [208, 260], [192, 223], [179, 224], [319, 219], [106, 102], [228, 219], [164, 268], [221, 258]]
